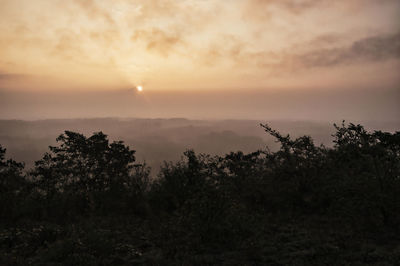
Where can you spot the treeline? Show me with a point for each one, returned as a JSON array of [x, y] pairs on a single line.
[[87, 202]]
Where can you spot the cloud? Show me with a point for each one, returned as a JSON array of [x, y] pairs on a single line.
[[158, 41], [93, 11], [370, 49], [88, 41], [293, 6], [328, 39], [10, 76], [324, 52], [366, 50], [8, 79], [224, 47], [262, 8]]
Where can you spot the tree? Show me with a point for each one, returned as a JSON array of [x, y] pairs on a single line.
[[366, 168], [12, 183], [88, 168], [295, 171]]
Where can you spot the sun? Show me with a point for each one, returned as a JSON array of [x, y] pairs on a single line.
[[139, 88]]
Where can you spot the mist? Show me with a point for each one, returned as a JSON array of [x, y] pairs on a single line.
[[328, 105]]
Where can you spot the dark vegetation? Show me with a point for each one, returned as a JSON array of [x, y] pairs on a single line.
[[87, 202], [156, 140]]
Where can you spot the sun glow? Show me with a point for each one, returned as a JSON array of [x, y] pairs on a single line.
[[139, 88]]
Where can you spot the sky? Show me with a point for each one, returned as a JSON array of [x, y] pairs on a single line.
[[292, 59]]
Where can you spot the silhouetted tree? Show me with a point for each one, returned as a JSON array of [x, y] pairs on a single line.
[[300, 205], [12, 184], [88, 169], [365, 168]]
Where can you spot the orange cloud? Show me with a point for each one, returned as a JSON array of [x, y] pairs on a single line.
[[158, 40], [93, 11]]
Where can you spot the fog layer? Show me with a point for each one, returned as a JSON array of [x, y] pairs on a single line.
[[379, 104]]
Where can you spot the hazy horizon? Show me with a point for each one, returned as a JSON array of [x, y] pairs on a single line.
[[288, 104]]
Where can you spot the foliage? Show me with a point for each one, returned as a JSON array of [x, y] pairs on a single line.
[[12, 185], [86, 202], [88, 173]]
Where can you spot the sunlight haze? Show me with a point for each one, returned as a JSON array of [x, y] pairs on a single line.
[[200, 46]]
